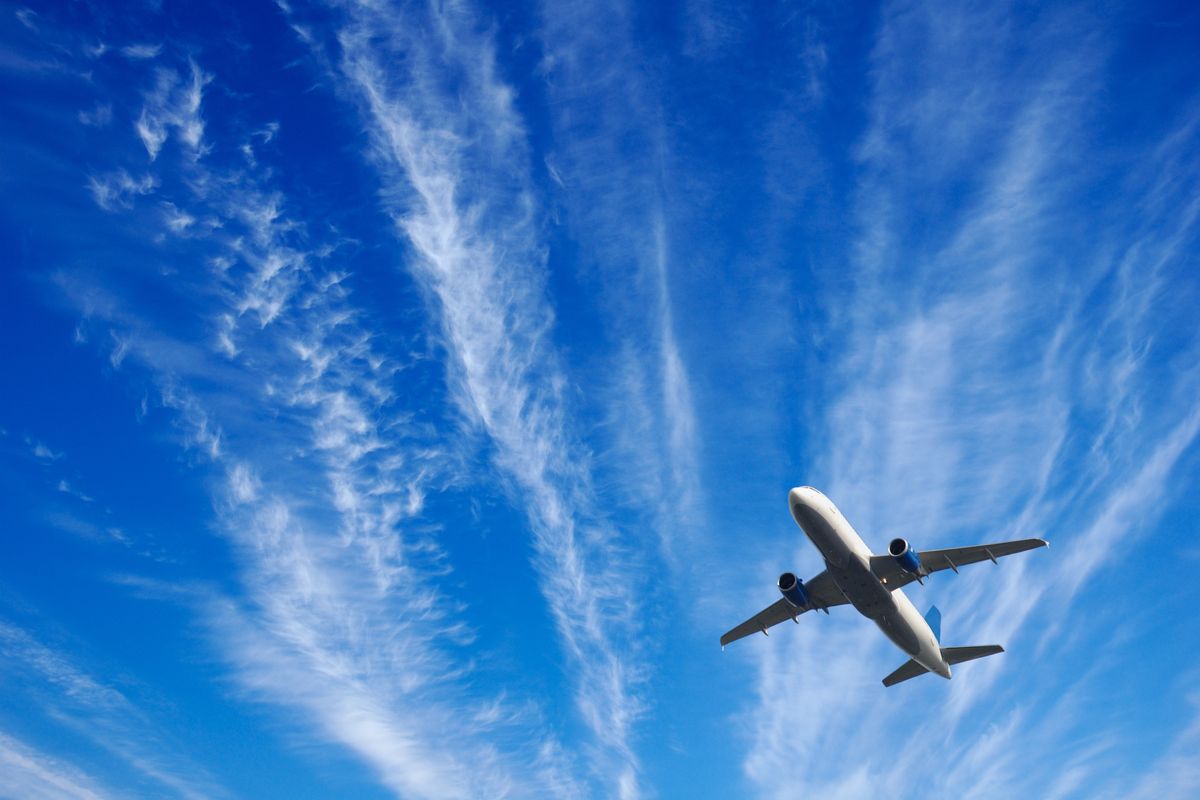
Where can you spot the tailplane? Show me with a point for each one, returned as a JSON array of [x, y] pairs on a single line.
[[909, 669], [952, 655], [957, 655]]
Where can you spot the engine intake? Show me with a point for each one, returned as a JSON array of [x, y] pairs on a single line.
[[905, 556], [792, 588]]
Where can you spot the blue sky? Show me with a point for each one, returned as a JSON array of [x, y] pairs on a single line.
[[401, 399]]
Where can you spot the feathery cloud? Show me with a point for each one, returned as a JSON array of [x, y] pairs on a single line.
[[457, 164], [115, 191], [340, 621], [613, 151], [173, 105]]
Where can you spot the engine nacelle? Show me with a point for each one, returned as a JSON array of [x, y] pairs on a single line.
[[792, 588], [905, 556]]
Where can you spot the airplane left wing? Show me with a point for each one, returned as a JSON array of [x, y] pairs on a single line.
[[894, 576], [822, 592]]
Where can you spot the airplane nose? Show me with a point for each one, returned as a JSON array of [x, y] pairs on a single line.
[[805, 499], [803, 496], [804, 503]]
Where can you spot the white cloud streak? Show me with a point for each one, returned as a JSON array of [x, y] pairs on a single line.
[[341, 621], [457, 165], [612, 151], [141, 52], [28, 773], [85, 705]]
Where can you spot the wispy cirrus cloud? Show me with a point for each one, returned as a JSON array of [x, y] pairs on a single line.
[[173, 104], [115, 191], [612, 164], [26, 772], [455, 163], [84, 705], [644, 284], [339, 620], [141, 52]]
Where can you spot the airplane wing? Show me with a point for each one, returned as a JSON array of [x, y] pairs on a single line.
[[894, 576], [822, 593]]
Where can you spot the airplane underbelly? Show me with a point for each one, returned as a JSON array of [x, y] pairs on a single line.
[[864, 591], [876, 602], [900, 632], [821, 533]]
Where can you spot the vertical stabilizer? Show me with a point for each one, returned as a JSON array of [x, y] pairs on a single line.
[[934, 618]]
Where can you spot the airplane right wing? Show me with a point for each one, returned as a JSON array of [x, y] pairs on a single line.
[[822, 593], [894, 576]]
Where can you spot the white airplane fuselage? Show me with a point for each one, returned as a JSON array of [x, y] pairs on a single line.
[[848, 561]]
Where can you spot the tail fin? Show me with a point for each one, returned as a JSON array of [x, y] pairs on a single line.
[[957, 655], [934, 619]]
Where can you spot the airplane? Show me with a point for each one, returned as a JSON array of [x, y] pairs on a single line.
[[873, 584]]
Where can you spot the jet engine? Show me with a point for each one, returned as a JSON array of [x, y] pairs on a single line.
[[792, 588], [905, 556]]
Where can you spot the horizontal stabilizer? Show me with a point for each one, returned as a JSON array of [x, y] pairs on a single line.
[[952, 655], [957, 655], [910, 669]]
